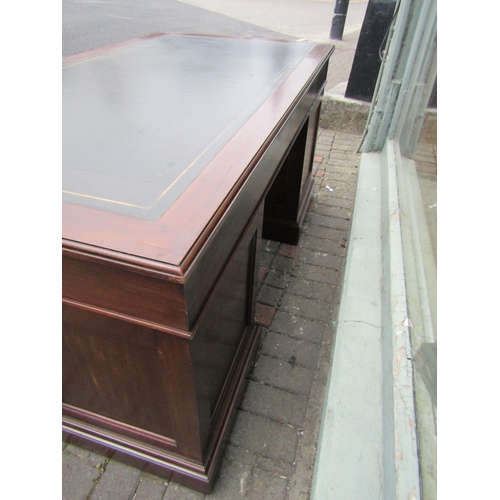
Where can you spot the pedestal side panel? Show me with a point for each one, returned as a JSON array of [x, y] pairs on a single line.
[[114, 369]]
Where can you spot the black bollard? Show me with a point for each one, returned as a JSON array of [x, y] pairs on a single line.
[[371, 43], [338, 21]]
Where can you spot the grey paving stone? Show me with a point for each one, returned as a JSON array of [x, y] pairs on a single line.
[[345, 185], [93, 459], [233, 481], [285, 347], [333, 222], [341, 188], [78, 477], [277, 279], [343, 173], [328, 197], [275, 404], [321, 259], [240, 455], [283, 374], [338, 193], [316, 273], [341, 213], [298, 327], [118, 482], [332, 174], [266, 485], [149, 489], [347, 138], [342, 160], [283, 264], [315, 290], [275, 466], [178, 492], [323, 147], [326, 132], [346, 146], [325, 136], [300, 483], [337, 198], [269, 295], [265, 437], [327, 233], [266, 258], [332, 246], [352, 140], [307, 308], [343, 152]]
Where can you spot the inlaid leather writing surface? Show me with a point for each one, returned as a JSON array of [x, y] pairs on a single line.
[[141, 122]]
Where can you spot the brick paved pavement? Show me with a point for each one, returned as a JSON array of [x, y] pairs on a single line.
[[272, 446]]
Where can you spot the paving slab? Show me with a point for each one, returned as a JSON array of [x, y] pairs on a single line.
[[325, 220], [335, 243], [286, 375], [313, 290], [265, 437], [149, 489], [275, 404], [270, 295], [117, 482], [79, 477], [325, 232], [298, 327], [277, 467], [277, 279], [233, 481], [316, 273], [266, 485], [287, 348], [178, 492]]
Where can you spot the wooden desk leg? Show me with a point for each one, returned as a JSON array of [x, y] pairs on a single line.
[[286, 203]]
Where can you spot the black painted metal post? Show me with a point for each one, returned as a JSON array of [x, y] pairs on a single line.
[[338, 21], [371, 43]]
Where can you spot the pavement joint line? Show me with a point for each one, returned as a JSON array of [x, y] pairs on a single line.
[[280, 422], [294, 364]]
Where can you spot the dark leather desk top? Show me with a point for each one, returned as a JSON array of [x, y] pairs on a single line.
[[162, 134], [142, 121]]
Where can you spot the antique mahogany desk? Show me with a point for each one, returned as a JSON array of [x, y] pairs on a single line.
[[178, 151]]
